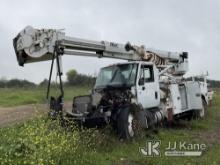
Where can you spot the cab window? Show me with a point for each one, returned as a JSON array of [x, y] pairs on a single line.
[[147, 73]]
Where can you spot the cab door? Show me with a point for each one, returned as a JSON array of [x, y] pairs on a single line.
[[148, 86]]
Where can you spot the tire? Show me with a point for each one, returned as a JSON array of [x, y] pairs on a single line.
[[204, 111], [126, 123], [200, 114]]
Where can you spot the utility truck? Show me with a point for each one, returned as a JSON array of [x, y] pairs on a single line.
[[145, 90], [206, 92]]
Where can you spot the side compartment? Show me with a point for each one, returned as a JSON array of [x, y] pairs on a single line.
[[193, 95], [175, 98], [185, 97]]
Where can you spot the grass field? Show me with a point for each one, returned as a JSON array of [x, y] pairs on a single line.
[[42, 141], [20, 96]]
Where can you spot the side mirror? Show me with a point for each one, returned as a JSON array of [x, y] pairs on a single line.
[[141, 81]]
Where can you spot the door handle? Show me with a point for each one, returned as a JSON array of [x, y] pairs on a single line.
[[156, 95], [143, 88]]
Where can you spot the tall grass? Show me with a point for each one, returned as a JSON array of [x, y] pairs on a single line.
[[43, 141], [21, 96]]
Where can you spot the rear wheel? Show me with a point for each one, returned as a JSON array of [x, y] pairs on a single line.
[[202, 113], [204, 109]]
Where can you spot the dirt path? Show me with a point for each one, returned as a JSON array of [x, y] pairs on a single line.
[[11, 115]]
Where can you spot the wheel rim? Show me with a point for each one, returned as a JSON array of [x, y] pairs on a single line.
[[202, 112], [130, 125]]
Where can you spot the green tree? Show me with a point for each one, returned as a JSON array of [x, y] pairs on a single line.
[[72, 76], [44, 83]]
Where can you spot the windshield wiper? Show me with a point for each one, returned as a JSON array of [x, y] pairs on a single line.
[[131, 72], [113, 77]]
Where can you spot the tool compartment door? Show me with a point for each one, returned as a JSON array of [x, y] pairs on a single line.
[[194, 95]]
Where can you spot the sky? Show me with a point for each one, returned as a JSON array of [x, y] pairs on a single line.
[[183, 25]]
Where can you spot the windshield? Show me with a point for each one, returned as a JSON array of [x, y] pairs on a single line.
[[117, 75]]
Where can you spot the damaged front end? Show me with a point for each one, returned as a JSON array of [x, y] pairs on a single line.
[[101, 107]]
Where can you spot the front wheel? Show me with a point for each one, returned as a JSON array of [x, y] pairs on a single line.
[[127, 123]]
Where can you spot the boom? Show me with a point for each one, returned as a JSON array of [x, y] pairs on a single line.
[[33, 45]]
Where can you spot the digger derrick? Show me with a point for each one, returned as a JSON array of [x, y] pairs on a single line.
[[149, 87]]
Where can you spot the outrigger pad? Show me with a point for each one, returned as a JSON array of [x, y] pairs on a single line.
[[56, 106]]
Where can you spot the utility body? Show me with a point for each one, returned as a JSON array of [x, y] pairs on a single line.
[[143, 92]]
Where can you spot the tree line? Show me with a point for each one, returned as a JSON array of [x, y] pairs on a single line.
[[73, 79], [214, 83]]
